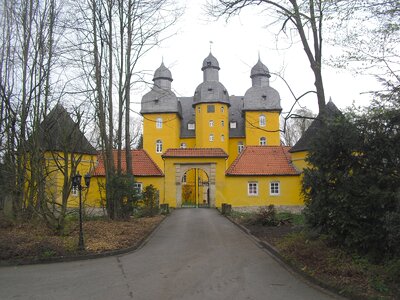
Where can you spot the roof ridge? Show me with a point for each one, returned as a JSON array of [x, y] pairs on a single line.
[[145, 152]]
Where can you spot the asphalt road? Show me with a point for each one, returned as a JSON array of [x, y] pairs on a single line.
[[194, 254]]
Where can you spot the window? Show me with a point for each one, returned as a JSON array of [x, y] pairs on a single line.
[[263, 141], [74, 191], [183, 145], [158, 146], [262, 121], [191, 126], [240, 147], [252, 189], [211, 138], [210, 108], [274, 188], [184, 178], [211, 123], [138, 187], [222, 109], [222, 137], [232, 124], [159, 123], [198, 109], [222, 123]]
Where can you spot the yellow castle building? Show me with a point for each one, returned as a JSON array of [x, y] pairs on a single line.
[[200, 151]]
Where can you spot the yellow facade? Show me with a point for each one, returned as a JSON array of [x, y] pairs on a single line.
[[166, 132], [256, 130], [298, 159], [212, 127]]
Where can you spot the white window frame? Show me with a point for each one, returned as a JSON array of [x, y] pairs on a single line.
[[274, 188], [232, 125], [159, 122], [240, 147], [159, 146], [75, 191], [263, 141], [222, 109], [138, 187], [183, 145], [222, 138], [211, 123], [191, 126], [252, 188], [198, 109], [262, 121], [211, 137], [222, 123]]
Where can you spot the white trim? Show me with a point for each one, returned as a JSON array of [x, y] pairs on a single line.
[[252, 188], [274, 188]]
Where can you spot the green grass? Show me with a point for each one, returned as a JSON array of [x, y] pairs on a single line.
[[296, 219]]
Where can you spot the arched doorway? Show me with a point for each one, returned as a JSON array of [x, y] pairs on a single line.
[[195, 188]]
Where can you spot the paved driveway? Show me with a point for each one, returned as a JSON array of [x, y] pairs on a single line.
[[194, 254]]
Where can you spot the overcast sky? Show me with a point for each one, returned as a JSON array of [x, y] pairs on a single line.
[[236, 44]]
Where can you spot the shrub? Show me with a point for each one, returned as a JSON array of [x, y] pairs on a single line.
[[150, 198], [266, 216]]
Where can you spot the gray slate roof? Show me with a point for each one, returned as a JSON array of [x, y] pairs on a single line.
[[58, 132], [262, 98], [211, 92], [303, 144], [160, 100]]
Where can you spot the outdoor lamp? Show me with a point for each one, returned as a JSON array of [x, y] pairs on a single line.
[[78, 179], [87, 180]]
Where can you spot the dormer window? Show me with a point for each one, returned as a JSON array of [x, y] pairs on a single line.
[[263, 141], [264, 97], [210, 108], [191, 126], [232, 125], [209, 63]]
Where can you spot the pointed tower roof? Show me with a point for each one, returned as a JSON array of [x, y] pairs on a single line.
[[303, 144], [58, 132], [210, 62], [259, 69], [162, 73]]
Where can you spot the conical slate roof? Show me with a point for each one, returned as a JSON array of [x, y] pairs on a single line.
[[210, 62], [303, 144], [162, 73], [259, 69], [58, 132]]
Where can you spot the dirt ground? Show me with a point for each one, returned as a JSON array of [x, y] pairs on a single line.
[[34, 241]]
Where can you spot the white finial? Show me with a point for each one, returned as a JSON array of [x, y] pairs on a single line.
[[211, 42]]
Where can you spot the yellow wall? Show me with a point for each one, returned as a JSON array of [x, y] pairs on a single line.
[[168, 134], [254, 132], [233, 149], [96, 195], [190, 142], [298, 160], [203, 129], [237, 191]]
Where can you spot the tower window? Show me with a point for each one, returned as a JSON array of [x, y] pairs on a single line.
[[222, 123], [183, 145], [198, 109], [159, 146], [222, 109], [210, 108], [191, 126], [211, 123], [263, 141], [222, 137], [262, 121], [159, 123], [232, 125], [240, 147], [211, 138]]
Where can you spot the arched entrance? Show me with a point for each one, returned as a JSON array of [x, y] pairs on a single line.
[[195, 185], [195, 188]]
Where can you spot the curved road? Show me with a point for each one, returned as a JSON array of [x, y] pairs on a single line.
[[194, 254]]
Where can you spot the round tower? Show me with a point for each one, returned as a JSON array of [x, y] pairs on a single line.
[[211, 103]]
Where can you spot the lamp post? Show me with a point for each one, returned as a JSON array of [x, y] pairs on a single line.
[[77, 183]]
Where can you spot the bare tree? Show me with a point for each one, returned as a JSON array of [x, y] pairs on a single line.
[[296, 125]]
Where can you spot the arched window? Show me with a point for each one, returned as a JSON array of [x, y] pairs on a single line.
[[222, 109], [222, 123], [222, 137], [159, 146], [262, 121], [211, 138], [211, 123], [240, 147], [159, 123], [263, 141]]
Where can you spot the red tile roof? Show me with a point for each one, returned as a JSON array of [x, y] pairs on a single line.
[[195, 152], [142, 164], [263, 160]]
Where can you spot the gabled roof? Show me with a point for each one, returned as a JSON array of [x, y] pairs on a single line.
[[263, 161], [303, 144], [142, 164], [195, 152], [58, 132]]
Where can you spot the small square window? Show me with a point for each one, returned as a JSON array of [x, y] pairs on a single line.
[[138, 187], [210, 108], [211, 138], [183, 145], [240, 147], [252, 189], [198, 109], [191, 126], [74, 191], [274, 188], [232, 125]]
